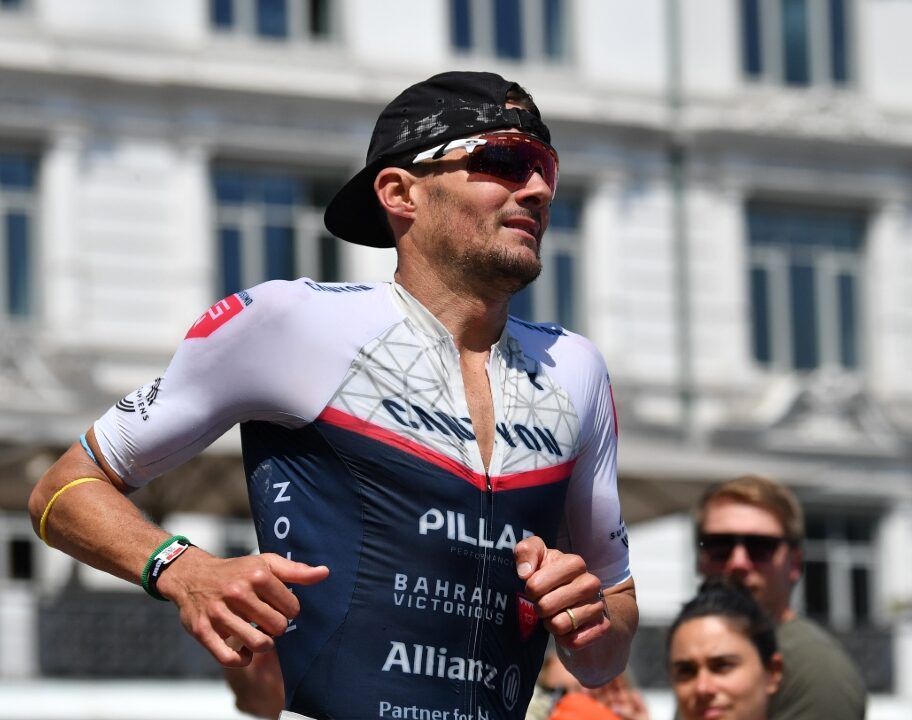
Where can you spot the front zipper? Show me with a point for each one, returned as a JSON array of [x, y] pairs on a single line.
[[486, 512]]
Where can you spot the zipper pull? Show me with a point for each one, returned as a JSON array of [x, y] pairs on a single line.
[[488, 482]]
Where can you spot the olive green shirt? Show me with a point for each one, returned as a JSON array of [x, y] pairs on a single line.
[[818, 679]]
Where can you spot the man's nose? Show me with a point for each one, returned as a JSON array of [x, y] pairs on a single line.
[[535, 193], [738, 560]]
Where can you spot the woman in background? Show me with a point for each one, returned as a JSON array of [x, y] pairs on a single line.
[[722, 655]]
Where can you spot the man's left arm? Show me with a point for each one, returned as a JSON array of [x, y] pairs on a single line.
[[592, 626], [582, 586]]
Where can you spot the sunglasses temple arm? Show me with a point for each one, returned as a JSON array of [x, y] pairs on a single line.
[[428, 154]]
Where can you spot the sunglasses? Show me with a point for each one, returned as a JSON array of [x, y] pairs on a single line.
[[509, 156], [718, 547]]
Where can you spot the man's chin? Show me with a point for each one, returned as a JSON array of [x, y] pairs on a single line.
[[515, 279], [510, 271], [759, 596]]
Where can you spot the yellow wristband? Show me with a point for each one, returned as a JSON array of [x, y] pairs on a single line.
[[42, 526]]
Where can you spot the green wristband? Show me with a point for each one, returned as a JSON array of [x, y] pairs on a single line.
[[160, 558]]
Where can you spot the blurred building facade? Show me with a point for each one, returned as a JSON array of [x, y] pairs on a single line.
[[733, 229]]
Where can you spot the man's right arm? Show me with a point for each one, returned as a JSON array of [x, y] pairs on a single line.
[[93, 522], [219, 599]]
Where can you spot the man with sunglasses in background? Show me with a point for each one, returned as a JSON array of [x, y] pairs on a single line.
[[435, 481], [752, 529]]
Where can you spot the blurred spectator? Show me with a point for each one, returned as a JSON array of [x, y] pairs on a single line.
[[722, 655], [622, 697], [559, 696], [751, 529]]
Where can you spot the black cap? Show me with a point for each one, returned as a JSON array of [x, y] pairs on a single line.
[[445, 107]]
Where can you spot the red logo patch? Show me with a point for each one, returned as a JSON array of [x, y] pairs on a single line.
[[215, 317], [526, 616]]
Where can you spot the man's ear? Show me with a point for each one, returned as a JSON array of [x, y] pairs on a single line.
[[393, 187]]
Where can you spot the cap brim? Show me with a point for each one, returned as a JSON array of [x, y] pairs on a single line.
[[355, 215]]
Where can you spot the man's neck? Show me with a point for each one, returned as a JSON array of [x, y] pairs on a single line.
[[786, 615], [474, 321]]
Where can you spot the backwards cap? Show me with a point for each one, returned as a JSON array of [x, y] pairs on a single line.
[[444, 107]]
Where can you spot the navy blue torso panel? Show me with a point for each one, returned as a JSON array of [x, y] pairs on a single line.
[[423, 607]]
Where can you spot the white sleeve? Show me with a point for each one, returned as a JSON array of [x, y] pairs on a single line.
[[215, 380], [593, 523], [276, 352]]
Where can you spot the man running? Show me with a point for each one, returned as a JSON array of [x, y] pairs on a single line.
[[434, 480]]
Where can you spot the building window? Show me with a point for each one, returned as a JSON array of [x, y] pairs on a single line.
[[17, 213], [839, 564], [21, 559], [17, 551], [553, 297], [797, 42], [269, 226], [14, 5], [805, 285], [273, 19], [510, 29]]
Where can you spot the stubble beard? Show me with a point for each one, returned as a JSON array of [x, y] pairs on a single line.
[[484, 269], [496, 270]]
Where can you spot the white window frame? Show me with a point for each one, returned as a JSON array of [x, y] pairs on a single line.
[[26, 8], [560, 241], [27, 203], [244, 26], [251, 218], [828, 264], [840, 556], [772, 45], [15, 527], [544, 289], [482, 24]]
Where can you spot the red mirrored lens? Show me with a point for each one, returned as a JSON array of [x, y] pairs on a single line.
[[514, 158]]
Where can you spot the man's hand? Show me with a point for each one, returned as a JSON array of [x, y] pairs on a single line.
[[564, 592], [593, 633], [235, 607], [258, 688]]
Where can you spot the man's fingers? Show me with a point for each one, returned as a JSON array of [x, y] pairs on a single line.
[[296, 573], [564, 593], [260, 597], [576, 617], [561, 580], [245, 604], [234, 643], [229, 652], [529, 555], [245, 653], [271, 616], [271, 589], [227, 624]]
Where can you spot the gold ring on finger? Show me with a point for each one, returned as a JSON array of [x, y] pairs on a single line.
[[572, 618]]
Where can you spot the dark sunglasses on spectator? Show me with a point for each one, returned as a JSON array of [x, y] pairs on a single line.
[[508, 156], [718, 547]]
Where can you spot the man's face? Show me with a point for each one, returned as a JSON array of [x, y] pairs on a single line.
[[770, 580], [481, 230]]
